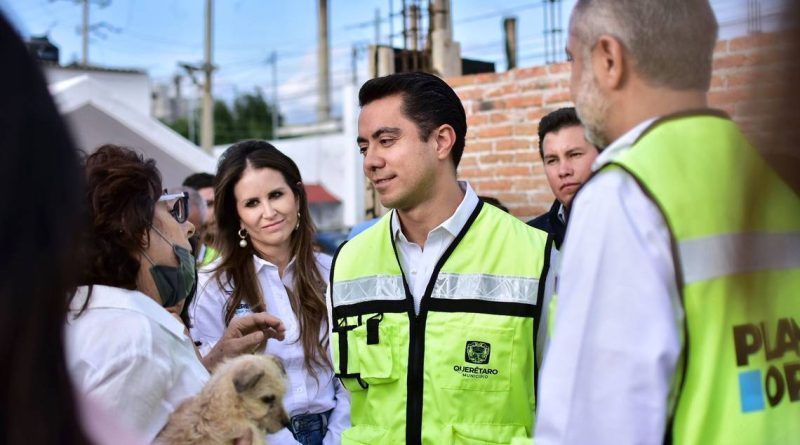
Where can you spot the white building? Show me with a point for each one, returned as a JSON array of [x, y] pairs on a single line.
[[115, 106]]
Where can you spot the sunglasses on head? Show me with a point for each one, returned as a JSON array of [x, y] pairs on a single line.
[[180, 209]]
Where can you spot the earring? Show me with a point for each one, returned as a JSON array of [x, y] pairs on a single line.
[[242, 236], [297, 226]]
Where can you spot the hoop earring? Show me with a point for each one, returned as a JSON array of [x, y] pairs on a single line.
[[297, 226], [242, 240]]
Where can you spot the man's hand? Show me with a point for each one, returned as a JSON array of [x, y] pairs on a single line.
[[245, 335]]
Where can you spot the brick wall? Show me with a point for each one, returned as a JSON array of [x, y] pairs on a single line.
[[501, 158]]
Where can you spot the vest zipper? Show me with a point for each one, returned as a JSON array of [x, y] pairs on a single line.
[[416, 348]]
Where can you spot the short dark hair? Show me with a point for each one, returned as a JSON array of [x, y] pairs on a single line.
[[122, 188], [427, 101], [555, 121], [199, 181]]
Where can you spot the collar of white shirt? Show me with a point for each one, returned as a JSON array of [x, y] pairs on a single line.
[[288, 273], [452, 225], [107, 297], [621, 145]]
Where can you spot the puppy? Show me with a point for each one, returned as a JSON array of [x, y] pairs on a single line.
[[243, 393]]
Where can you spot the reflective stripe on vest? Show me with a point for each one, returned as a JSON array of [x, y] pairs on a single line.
[[717, 256]]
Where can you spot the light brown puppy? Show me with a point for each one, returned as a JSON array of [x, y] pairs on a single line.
[[244, 393]]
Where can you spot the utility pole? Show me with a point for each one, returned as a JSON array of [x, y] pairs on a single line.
[[273, 59], [87, 28], [85, 34], [377, 26], [323, 81], [207, 135], [510, 34]]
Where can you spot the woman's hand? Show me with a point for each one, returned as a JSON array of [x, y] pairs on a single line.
[[245, 335]]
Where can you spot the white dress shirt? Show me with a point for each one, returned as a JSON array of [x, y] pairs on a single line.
[[418, 262], [304, 393], [129, 354], [609, 369]]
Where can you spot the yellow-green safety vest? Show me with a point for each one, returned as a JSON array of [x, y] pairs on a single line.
[[460, 372], [735, 228]]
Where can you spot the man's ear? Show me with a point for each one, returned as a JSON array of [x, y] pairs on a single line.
[[445, 137], [610, 62]]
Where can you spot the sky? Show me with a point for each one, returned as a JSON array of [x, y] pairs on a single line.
[[155, 35]]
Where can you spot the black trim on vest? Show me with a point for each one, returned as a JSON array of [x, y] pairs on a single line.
[[680, 283], [416, 365], [537, 316], [370, 307], [482, 307]]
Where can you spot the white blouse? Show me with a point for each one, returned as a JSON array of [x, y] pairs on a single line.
[[128, 354], [304, 393]]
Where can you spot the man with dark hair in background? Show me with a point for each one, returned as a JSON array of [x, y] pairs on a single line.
[[567, 157], [435, 306], [678, 291], [204, 184]]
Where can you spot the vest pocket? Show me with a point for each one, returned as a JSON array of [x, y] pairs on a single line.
[[378, 360], [364, 435], [485, 434], [475, 357]]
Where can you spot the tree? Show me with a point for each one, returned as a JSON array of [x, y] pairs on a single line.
[[249, 118]]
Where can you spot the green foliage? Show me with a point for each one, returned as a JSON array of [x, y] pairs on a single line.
[[250, 117]]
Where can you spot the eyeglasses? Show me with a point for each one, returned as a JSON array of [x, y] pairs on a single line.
[[179, 210]]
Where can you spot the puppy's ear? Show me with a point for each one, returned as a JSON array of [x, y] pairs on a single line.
[[246, 378], [279, 363]]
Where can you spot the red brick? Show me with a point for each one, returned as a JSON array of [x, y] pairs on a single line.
[[497, 118], [525, 73], [468, 161], [494, 132], [563, 67], [531, 184], [524, 101], [496, 158], [471, 172], [458, 81], [721, 47], [478, 147], [729, 96], [753, 41], [500, 91], [528, 156], [515, 170], [527, 129], [733, 61], [512, 144], [717, 81], [494, 185], [557, 97], [477, 119], [485, 78], [469, 93]]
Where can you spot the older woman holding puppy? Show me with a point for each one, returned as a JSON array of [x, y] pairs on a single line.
[[126, 346], [267, 263]]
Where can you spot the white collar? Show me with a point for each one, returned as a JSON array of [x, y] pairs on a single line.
[[107, 297], [621, 145], [457, 220], [562, 213]]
